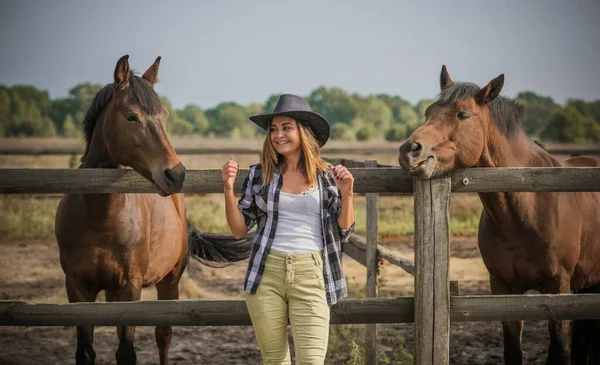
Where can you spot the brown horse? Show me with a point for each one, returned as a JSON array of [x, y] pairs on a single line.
[[121, 243], [549, 242]]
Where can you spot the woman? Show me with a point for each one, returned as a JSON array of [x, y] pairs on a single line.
[[295, 269]]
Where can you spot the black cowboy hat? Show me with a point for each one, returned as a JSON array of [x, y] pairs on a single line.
[[295, 107]]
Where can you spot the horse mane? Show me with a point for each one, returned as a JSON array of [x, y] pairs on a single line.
[[507, 113], [142, 92]]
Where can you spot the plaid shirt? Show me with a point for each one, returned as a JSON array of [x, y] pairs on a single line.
[[261, 205]]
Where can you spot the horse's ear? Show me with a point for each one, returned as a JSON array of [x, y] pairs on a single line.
[[122, 72], [490, 91], [151, 74], [445, 79]]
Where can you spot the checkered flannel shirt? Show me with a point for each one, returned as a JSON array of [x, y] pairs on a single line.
[[261, 205]]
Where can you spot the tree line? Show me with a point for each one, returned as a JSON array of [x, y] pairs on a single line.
[[26, 111]]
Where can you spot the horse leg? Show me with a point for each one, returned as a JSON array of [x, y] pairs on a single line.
[[167, 288], [110, 297], [125, 354], [512, 330], [85, 354], [585, 336], [558, 349]]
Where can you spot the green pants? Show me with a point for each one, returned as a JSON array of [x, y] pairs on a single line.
[[292, 287]]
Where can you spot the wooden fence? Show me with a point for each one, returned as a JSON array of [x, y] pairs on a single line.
[[433, 307]]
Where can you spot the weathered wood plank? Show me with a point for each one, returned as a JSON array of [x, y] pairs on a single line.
[[534, 179], [86, 181], [356, 248], [484, 308], [372, 268], [367, 180], [187, 313], [440, 192], [454, 288], [424, 276], [524, 307]]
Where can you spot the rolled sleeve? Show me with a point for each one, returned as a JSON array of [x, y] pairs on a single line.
[[344, 233]]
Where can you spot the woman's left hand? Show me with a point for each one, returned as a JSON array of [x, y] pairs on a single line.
[[343, 179]]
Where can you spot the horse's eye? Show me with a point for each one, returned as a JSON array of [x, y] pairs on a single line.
[[131, 118], [462, 115]]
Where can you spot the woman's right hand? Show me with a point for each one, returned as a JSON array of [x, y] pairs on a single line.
[[229, 172]]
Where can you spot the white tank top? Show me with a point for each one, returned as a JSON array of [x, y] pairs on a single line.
[[299, 223]]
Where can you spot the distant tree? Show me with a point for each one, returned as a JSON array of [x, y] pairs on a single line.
[[176, 125], [334, 104], [81, 95], [422, 105], [591, 113], [70, 129], [538, 111], [228, 116], [396, 133], [374, 112], [365, 133], [254, 109], [25, 112], [4, 110], [195, 116], [566, 126], [343, 132], [402, 111]]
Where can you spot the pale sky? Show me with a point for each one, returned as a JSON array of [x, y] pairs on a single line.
[[244, 51]]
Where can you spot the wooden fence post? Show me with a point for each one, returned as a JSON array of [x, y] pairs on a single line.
[[372, 266], [432, 290]]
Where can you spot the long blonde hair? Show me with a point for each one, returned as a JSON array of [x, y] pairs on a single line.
[[310, 159]]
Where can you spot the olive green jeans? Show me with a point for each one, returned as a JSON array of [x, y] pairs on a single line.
[[291, 288]]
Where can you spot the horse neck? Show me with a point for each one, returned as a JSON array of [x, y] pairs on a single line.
[[509, 208], [101, 207]]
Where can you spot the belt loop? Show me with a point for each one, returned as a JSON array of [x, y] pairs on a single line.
[[315, 257]]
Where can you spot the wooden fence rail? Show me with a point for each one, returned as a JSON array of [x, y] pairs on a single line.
[[479, 308], [366, 180]]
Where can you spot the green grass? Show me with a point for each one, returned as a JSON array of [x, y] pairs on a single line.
[[30, 216], [27, 216]]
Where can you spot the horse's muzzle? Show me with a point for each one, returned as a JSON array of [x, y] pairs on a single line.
[[418, 160], [173, 179]]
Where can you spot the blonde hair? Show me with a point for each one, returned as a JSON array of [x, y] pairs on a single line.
[[310, 159]]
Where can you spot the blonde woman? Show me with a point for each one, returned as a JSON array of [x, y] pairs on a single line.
[[304, 211]]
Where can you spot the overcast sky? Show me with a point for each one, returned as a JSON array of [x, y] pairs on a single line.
[[244, 51]]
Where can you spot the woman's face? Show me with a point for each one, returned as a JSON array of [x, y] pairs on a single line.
[[285, 136]]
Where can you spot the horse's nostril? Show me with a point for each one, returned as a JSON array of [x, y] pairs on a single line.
[[416, 147], [170, 176]]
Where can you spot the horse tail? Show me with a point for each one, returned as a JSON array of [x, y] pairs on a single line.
[[585, 336], [206, 247]]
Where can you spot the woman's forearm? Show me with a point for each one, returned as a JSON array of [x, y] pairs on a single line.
[[346, 217], [235, 218]]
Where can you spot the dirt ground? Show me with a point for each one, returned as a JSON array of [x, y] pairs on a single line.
[[29, 270]]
